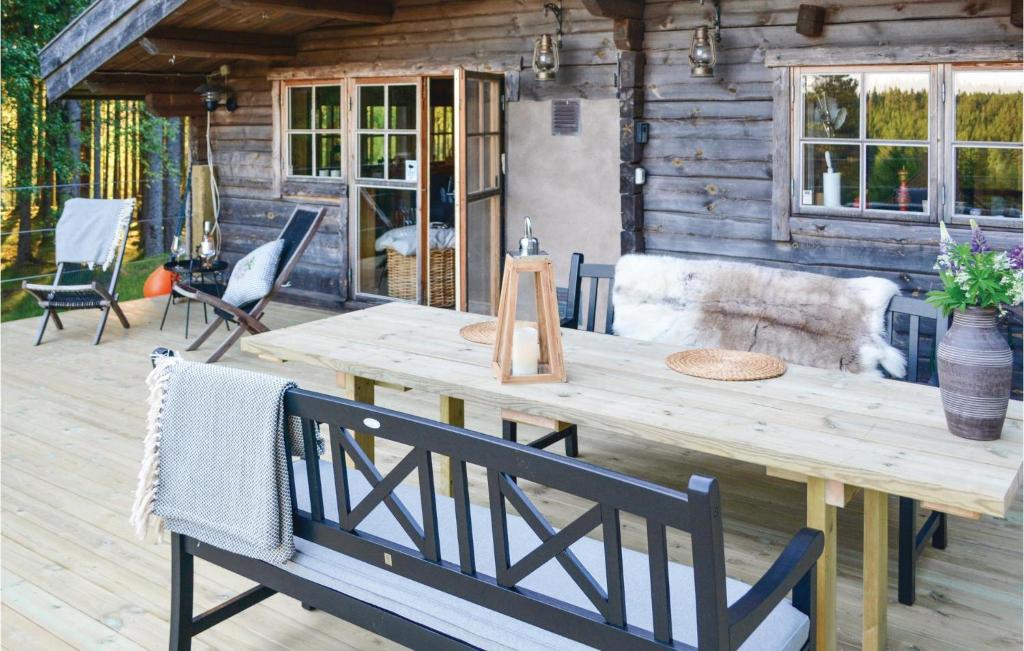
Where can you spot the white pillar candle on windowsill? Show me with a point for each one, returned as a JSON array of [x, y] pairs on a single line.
[[525, 351]]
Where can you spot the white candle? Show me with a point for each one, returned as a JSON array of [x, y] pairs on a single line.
[[525, 351]]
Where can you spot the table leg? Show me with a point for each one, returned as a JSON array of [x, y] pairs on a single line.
[[876, 568], [453, 412], [822, 516], [361, 390]]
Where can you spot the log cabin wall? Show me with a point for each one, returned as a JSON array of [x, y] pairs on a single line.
[[709, 158]]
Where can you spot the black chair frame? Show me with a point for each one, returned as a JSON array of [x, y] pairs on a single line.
[[913, 541], [698, 511]]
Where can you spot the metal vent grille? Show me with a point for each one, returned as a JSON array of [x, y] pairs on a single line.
[[565, 117]]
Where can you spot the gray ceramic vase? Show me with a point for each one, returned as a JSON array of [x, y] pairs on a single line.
[[975, 374]]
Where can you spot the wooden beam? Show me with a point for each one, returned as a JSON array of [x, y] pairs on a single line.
[[172, 105], [358, 11], [224, 45], [135, 84], [615, 8]]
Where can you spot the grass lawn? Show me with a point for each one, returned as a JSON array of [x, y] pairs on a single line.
[[18, 304]]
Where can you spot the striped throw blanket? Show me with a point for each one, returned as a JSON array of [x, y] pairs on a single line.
[[214, 466]]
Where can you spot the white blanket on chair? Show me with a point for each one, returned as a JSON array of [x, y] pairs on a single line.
[[803, 318], [91, 230]]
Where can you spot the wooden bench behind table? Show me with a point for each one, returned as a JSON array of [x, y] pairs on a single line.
[[440, 581]]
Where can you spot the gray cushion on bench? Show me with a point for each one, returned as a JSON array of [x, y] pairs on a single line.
[[785, 629]]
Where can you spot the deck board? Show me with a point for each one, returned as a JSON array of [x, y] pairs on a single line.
[[73, 574]]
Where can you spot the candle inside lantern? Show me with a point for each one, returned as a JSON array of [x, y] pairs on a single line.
[[525, 351]]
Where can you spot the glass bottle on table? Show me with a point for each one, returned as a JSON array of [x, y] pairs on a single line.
[[208, 247]]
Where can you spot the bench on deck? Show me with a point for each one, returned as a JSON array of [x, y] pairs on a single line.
[[461, 575]]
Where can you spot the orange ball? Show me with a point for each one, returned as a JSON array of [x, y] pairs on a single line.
[[159, 283]]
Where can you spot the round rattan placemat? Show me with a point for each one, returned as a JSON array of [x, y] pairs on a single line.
[[483, 332], [480, 333], [720, 364]]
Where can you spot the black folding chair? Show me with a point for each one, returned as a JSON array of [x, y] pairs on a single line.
[[297, 235]]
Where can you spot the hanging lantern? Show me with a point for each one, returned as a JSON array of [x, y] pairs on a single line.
[[703, 55], [545, 58]]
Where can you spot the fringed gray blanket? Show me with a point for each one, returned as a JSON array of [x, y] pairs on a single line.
[[214, 466], [803, 318], [90, 230]]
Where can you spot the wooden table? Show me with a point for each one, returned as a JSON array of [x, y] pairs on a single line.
[[835, 431]]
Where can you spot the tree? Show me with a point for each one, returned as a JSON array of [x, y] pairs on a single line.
[[71, 113], [153, 186], [172, 178]]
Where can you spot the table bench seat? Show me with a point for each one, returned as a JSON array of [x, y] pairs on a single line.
[[786, 628]]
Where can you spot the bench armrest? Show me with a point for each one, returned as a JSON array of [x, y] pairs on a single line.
[[794, 565]]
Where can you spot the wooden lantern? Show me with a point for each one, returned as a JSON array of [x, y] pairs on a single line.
[[551, 361]]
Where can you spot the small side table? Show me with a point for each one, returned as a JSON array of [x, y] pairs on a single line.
[[206, 278]]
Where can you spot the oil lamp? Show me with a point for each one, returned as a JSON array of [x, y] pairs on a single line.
[[703, 54]]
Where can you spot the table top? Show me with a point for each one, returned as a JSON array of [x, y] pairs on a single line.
[[861, 430], [195, 266]]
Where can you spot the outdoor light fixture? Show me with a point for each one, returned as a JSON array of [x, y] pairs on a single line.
[[545, 49], [703, 49], [214, 94]]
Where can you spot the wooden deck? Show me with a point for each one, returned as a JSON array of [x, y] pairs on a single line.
[[74, 575]]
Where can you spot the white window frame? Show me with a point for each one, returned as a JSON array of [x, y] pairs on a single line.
[[387, 131], [313, 132], [949, 153], [940, 143], [931, 143]]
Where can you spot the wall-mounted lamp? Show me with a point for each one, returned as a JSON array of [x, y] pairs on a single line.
[[703, 54], [545, 49], [703, 50], [214, 94]]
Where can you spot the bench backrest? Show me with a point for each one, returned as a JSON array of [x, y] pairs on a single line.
[[697, 512], [916, 309]]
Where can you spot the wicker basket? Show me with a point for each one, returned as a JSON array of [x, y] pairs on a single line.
[[441, 267]]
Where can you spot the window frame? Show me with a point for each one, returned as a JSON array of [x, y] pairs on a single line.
[[951, 143], [798, 140], [386, 132], [285, 109], [941, 143]]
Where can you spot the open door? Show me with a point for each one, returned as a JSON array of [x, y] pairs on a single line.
[[479, 188]]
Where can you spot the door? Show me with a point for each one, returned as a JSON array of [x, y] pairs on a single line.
[[386, 187], [479, 190]]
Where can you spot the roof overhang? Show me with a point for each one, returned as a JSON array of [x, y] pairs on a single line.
[[143, 48]]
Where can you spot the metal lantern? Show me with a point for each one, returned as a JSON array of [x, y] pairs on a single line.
[[545, 58], [703, 54]]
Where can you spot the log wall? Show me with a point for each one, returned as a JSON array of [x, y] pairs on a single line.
[[709, 158]]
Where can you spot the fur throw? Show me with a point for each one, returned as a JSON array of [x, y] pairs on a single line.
[[803, 318]]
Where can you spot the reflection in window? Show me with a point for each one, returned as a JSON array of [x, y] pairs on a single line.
[[866, 141], [987, 147], [387, 219], [314, 116], [387, 140]]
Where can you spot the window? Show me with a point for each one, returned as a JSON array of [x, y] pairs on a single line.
[[986, 143], [314, 134], [386, 131], [884, 142]]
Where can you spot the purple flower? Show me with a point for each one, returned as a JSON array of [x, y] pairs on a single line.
[[1016, 256], [978, 242]]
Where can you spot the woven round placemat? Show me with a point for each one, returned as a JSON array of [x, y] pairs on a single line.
[[483, 332], [720, 364], [480, 333]]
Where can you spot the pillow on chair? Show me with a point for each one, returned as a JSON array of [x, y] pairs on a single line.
[[253, 276]]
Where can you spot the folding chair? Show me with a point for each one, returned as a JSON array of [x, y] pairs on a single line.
[[90, 232], [297, 234]]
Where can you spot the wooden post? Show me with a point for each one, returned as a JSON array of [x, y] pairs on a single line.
[[876, 569], [822, 516], [361, 390], [453, 412]]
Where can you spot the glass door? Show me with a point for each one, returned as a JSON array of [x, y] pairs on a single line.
[[479, 188], [386, 185]]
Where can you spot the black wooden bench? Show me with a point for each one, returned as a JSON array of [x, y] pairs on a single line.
[[441, 581]]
